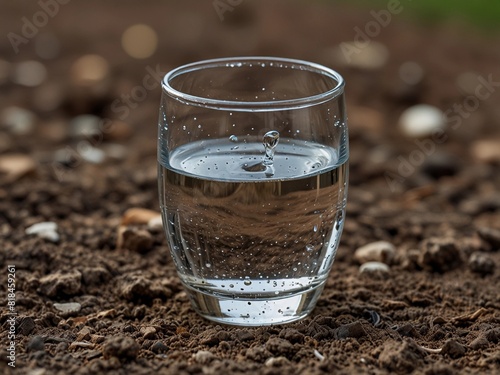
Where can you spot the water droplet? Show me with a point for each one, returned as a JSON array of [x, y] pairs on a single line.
[[247, 282], [309, 248], [199, 126], [315, 228], [270, 141], [208, 265], [233, 138]]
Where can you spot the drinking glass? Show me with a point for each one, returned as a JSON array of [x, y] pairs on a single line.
[[253, 172]]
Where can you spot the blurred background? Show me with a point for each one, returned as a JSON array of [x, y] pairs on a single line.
[[79, 81]]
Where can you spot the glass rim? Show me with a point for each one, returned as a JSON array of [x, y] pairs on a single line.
[[254, 106]]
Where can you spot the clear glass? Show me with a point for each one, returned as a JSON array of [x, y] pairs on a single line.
[[253, 171]]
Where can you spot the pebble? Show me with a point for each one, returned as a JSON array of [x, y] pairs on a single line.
[[84, 334], [16, 166], [121, 347], [490, 235], [481, 263], [35, 344], [155, 225], [97, 339], [57, 284], [439, 255], [89, 70], [354, 330], [70, 307], [203, 357], [85, 126], [93, 155], [478, 343], [486, 150], [159, 347], [374, 267], [421, 120], [18, 120], [137, 240], [140, 41], [138, 216], [380, 251], [29, 73], [276, 361], [368, 57], [46, 230], [148, 333], [453, 349], [411, 73]]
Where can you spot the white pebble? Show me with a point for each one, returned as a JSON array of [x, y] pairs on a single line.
[[380, 251], [46, 230], [68, 307], [93, 155], [155, 225], [85, 126], [421, 120], [371, 267], [18, 120], [203, 357]]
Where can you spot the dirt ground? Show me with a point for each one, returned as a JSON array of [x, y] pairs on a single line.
[[437, 201]]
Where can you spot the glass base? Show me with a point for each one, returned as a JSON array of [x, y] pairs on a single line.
[[241, 311]]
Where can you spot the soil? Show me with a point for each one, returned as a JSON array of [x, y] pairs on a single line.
[[436, 311]]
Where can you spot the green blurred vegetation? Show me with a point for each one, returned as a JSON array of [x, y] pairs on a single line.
[[484, 13]]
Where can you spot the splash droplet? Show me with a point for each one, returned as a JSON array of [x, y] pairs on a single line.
[[270, 141]]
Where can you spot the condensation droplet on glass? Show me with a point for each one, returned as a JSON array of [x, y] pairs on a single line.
[[233, 138]]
